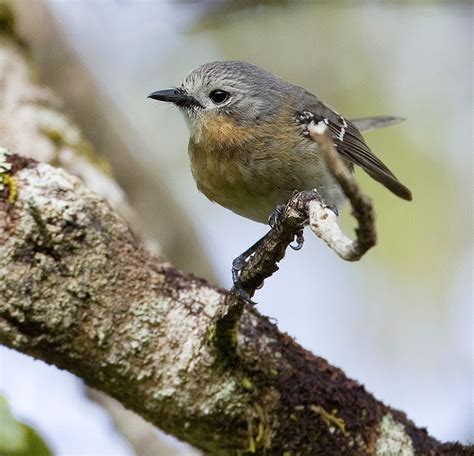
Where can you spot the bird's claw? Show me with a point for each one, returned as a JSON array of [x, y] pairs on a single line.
[[299, 238], [333, 208], [237, 265]]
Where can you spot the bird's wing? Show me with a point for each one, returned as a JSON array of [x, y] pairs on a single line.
[[351, 145]]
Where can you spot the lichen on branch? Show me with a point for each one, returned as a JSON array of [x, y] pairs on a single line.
[[78, 290]]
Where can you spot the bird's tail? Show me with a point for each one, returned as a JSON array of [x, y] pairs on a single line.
[[371, 123]]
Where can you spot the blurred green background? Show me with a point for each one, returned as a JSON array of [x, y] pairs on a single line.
[[400, 321]]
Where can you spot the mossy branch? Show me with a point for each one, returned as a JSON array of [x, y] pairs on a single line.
[[133, 326]]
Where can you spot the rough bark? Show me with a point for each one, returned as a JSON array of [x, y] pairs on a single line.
[[33, 123], [79, 291]]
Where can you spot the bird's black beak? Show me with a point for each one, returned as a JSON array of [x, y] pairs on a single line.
[[177, 96]]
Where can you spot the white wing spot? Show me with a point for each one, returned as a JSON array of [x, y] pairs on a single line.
[[343, 129]]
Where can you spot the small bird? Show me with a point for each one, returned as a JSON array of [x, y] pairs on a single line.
[[248, 147]]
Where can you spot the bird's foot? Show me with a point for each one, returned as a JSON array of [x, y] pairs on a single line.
[[274, 218], [237, 265]]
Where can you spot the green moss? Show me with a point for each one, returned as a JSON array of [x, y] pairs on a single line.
[[211, 334], [8, 186], [329, 418], [224, 334], [259, 429], [246, 383], [40, 223], [224, 340]]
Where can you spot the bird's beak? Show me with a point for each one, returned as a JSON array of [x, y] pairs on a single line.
[[177, 96]]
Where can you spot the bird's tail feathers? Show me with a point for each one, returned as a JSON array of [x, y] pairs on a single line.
[[371, 123]]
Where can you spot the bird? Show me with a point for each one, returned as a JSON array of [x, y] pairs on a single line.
[[248, 147]]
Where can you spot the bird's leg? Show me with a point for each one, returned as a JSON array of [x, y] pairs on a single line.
[[238, 264], [274, 220]]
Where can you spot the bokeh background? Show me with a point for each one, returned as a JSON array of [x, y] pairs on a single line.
[[400, 321]]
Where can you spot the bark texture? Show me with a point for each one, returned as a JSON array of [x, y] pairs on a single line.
[[33, 124], [79, 291]]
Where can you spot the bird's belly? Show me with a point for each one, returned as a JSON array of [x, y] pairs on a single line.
[[252, 185], [239, 189]]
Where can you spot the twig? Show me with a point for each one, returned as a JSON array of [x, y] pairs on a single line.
[[322, 219]]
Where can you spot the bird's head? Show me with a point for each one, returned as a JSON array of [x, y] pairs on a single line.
[[237, 91]]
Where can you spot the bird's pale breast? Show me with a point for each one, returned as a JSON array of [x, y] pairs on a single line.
[[251, 171]]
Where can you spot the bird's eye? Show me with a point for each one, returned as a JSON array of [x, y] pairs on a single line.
[[219, 96]]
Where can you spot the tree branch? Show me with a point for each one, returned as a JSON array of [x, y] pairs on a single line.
[[79, 291]]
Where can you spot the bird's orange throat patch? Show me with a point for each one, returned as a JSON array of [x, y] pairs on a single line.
[[218, 149], [220, 130]]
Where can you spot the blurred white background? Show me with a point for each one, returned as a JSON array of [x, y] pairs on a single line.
[[400, 321]]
